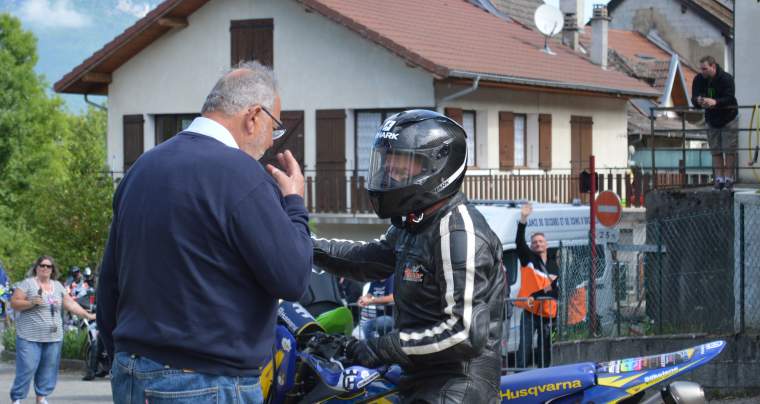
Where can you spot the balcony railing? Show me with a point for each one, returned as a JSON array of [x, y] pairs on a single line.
[[694, 166], [344, 192]]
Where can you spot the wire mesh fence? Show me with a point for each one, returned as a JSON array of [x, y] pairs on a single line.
[[692, 274]]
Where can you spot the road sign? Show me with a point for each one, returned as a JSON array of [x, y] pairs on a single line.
[[605, 235], [608, 208]]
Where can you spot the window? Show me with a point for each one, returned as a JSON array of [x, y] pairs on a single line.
[[510, 261], [367, 123], [252, 40], [468, 123], [520, 140], [133, 139], [169, 125]]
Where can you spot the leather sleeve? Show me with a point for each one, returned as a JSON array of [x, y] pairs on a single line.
[[359, 260]]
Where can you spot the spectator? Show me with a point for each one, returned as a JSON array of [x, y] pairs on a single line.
[[713, 90], [39, 329], [79, 284], [202, 245], [5, 294], [377, 313], [75, 275], [538, 278]]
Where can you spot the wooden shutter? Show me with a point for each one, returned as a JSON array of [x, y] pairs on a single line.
[[293, 140], [454, 113], [506, 140], [331, 160], [545, 141], [252, 40], [133, 139], [581, 140]]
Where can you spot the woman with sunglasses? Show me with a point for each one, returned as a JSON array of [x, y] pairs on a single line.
[[39, 329]]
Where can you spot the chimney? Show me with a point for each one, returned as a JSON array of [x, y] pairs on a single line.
[[570, 31], [572, 10], [599, 27], [574, 7]]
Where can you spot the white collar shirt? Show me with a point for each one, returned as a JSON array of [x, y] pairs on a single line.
[[213, 129]]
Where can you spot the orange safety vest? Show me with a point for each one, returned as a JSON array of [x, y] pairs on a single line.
[[577, 304], [531, 281]]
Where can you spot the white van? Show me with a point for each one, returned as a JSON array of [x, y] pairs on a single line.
[[563, 225]]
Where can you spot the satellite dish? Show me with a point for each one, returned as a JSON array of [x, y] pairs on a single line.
[[549, 20]]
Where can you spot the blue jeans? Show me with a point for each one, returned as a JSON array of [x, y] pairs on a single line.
[[377, 327], [139, 380], [39, 360]]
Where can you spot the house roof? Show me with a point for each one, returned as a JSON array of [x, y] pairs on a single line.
[[520, 10], [643, 58], [93, 75], [665, 126], [450, 39], [715, 11]]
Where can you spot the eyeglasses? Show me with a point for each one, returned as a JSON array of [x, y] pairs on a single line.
[[45, 266], [279, 130]]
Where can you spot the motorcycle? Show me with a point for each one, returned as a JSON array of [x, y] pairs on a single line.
[[96, 358], [310, 367]]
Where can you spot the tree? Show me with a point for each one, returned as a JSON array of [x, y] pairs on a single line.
[[55, 193], [72, 212]]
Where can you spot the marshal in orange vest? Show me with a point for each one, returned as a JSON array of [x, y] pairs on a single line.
[[531, 281]]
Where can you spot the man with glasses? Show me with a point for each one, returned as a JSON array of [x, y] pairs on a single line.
[[202, 245]]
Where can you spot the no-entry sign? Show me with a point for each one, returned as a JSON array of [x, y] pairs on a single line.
[[608, 208]]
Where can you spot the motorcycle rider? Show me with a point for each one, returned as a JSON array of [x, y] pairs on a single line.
[[449, 282]]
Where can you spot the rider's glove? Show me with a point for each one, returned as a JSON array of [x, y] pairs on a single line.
[[359, 352], [375, 352]]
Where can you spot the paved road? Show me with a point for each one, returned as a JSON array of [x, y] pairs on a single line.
[[70, 389]]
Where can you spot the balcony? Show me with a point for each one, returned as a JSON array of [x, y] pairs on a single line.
[[344, 192]]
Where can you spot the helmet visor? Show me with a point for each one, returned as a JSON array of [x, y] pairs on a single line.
[[392, 168]]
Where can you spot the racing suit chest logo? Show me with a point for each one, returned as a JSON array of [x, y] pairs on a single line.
[[413, 272]]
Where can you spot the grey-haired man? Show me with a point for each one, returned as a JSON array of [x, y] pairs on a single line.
[[194, 263]]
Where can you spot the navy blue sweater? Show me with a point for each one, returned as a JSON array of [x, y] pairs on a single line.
[[201, 246]]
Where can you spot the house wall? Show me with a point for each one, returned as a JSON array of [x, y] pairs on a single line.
[[689, 33], [319, 65], [610, 142], [747, 84]]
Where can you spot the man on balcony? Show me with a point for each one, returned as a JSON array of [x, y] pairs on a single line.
[[713, 90]]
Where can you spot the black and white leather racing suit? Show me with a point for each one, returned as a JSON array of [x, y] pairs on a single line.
[[449, 300]]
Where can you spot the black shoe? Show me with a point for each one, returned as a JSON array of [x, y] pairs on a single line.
[[102, 373], [89, 376]]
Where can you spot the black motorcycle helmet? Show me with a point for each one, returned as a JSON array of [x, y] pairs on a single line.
[[418, 158]]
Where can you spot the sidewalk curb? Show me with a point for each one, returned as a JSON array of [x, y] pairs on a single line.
[[66, 364]]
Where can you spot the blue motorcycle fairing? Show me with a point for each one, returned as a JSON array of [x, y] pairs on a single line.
[[540, 385], [286, 370], [619, 379]]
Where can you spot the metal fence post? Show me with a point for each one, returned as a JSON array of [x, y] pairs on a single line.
[[658, 235], [617, 292], [742, 263]]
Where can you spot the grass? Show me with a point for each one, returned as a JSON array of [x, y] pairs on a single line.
[[73, 341]]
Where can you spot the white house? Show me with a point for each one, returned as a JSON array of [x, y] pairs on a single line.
[[345, 65]]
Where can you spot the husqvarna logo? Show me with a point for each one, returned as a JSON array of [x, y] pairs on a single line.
[[535, 391]]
